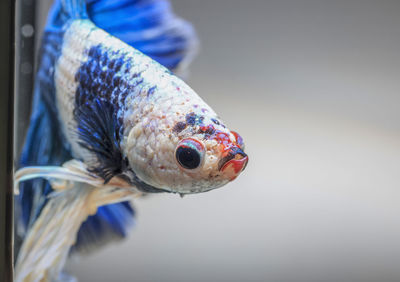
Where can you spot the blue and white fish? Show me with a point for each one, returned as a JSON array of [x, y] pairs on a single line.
[[106, 117]]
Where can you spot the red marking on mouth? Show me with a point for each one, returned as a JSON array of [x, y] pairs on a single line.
[[236, 165]]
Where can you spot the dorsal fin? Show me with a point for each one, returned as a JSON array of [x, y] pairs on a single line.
[[149, 26]]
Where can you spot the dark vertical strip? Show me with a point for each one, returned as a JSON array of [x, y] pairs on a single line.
[[25, 42], [25, 35], [7, 20]]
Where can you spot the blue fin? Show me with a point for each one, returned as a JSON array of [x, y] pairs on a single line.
[[149, 26], [44, 142], [99, 133], [75, 9], [112, 222]]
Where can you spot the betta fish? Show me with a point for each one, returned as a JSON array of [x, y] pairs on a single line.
[[110, 120]]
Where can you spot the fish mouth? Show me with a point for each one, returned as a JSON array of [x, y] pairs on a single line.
[[234, 162]]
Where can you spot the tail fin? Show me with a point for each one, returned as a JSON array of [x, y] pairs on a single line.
[[110, 223], [48, 243]]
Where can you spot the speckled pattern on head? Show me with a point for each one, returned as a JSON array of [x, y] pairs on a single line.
[[153, 110]]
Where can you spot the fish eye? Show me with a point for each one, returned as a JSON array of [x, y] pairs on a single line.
[[189, 153]]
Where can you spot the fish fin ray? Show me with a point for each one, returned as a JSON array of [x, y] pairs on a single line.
[[98, 132], [150, 26], [75, 9]]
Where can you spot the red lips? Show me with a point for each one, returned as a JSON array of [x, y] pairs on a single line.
[[234, 163], [237, 166]]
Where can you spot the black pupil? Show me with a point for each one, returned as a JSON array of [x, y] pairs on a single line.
[[188, 158]]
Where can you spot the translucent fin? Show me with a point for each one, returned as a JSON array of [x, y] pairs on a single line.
[[47, 244], [71, 171], [114, 216], [53, 172]]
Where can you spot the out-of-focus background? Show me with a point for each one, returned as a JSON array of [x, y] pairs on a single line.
[[313, 87]]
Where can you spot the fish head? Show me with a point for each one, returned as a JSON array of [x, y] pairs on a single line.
[[186, 148], [212, 158]]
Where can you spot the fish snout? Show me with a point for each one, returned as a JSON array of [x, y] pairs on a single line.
[[234, 162]]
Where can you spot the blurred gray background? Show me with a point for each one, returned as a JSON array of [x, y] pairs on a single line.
[[313, 87]]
